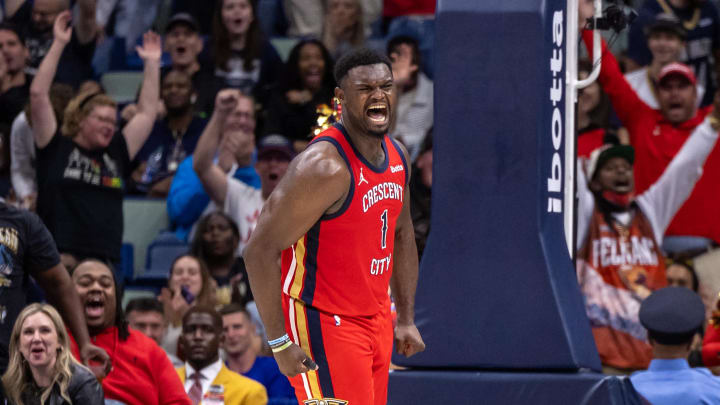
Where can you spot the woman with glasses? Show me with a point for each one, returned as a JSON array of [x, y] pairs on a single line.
[[81, 164]]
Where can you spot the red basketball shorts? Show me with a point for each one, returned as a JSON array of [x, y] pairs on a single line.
[[352, 354]]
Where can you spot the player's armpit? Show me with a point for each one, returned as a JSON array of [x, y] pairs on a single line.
[[316, 181]]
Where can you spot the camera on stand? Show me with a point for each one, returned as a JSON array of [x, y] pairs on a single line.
[[615, 17]]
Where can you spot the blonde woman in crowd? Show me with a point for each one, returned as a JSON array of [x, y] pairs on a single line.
[[42, 370]]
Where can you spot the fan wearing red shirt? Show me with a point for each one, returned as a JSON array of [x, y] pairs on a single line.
[[339, 222], [657, 136], [141, 372]]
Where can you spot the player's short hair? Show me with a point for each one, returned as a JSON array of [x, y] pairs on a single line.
[[144, 305], [359, 57]]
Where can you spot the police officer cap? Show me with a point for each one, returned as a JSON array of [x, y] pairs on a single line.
[[672, 315]]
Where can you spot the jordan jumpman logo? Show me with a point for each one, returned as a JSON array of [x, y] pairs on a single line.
[[362, 178]]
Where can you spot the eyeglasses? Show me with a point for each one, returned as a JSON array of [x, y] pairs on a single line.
[[104, 120]]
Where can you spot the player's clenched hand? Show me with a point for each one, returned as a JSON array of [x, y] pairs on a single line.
[[408, 340], [293, 361]]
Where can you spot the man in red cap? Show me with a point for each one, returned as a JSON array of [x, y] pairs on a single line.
[[658, 135]]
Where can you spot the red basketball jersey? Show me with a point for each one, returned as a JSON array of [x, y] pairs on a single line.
[[342, 265]]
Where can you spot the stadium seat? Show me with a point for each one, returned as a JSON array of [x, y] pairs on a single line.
[[143, 218], [132, 292], [160, 255], [127, 259], [122, 86], [283, 46]]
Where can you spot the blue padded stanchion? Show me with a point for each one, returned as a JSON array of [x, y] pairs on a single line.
[[497, 288]]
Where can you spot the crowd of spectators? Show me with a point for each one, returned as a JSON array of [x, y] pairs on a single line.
[[229, 92], [217, 119], [647, 175]]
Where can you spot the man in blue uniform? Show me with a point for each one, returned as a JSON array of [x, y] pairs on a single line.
[[672, 316]]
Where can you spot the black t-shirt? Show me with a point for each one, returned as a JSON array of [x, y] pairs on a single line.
[[75, 64], [26, 248], [242, 294], [258, 80], [80, 194], [163, 152], [13, 101]]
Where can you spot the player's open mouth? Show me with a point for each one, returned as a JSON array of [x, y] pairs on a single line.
[[377, 113], [180, 50]]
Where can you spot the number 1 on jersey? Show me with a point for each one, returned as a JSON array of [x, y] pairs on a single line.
[[384, 228]]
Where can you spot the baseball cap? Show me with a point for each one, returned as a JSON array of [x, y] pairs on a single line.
[[182, 18], [666, 23], [677, 68], [601, 155], [672, 315], [275, 144]]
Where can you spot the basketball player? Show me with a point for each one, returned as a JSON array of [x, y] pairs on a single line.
[[331, 238]]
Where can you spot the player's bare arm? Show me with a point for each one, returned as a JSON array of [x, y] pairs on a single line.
[[317, 182], [404, 280], [210, 174]]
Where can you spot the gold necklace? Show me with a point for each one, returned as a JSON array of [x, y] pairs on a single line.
[[688, 25]]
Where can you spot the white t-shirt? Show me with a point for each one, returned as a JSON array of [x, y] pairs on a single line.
[[243, 204], [415, 115]]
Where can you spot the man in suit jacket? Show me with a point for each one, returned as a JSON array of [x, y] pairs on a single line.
[[200, 339]]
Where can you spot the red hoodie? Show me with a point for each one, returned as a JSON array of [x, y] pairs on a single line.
[[141, 371]]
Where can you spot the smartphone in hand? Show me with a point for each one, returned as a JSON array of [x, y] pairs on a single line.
[[189, 297]]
